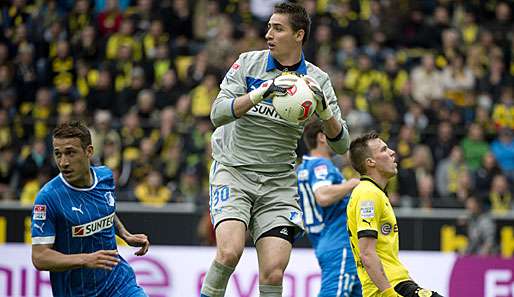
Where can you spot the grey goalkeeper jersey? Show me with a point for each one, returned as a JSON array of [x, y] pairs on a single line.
[[260, 140]]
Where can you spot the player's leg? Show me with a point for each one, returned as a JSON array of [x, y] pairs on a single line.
[[230, 214], [275, 223], [273, 255], [230, 241]]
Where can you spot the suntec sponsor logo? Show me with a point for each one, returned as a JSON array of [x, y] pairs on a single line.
[[93, 227]]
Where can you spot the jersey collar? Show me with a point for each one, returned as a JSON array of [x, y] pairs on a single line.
[[95, 182], [272, 64], [367, 178]]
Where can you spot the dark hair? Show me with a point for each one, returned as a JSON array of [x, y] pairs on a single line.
[[298, 17], [310, 134], [73, 129], [359, 151]]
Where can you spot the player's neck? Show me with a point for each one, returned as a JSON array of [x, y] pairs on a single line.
[[320, 152], [85, 182], [380, 180], [290, 59]]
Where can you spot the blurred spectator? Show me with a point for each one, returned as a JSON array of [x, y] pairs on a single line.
[[203, 95], [503, 111], [404, 148], [426, 82], [474, 147], [128, 96], [31, 188], [124, 37], [34, 159], [500, 196], [481, 229], [415, 117], [485, 173], [109, 19], [8, 173], [87, 46], [102, 94], [503, 150], [101, 132], [458, 81], [442, 143], [188, 190], [152, 191], [425, 191], [358, 121], [448, 173], [169, 90]]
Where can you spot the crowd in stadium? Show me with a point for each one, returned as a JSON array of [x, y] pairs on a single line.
[[434, 78]]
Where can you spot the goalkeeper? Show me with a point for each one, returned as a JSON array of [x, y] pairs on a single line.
[[252, 180], [372, 225]]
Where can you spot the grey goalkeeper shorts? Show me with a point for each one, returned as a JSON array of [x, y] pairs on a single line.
[[262, 201]]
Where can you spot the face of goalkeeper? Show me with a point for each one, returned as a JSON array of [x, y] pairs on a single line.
[[281, 39]]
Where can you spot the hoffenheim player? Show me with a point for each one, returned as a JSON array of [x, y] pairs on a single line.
[[74, 224], [324, 194]]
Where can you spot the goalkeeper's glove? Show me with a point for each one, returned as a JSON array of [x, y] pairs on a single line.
[[272, 87], [322, 109], [390, 293]]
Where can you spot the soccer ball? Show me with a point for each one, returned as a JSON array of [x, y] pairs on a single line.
[[298, 104]]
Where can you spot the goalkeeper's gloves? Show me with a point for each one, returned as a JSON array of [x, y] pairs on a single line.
[[272, 87], [322, 108], [390, 293]]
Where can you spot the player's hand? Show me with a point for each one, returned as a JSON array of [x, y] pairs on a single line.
[[102, 259], [139, 240], [322, 108], [353, 182], [272, 87]]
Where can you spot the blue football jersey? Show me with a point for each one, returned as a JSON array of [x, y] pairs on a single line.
[[325, 226], [327, 230], [80, 220]]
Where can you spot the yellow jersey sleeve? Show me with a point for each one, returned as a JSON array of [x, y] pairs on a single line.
[[368, 214]]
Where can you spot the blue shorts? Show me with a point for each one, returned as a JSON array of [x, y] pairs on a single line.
[[125, 285], [338, 274]]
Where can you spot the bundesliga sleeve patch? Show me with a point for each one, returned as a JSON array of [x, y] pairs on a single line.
[[39, 212], [233, 69], [367, 209], [321, 171]]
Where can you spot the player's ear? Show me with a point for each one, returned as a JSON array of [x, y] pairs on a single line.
[[89, 151], [299, 35], [370, 162]]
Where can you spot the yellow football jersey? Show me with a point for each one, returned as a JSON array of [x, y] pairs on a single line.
[[370, 214]]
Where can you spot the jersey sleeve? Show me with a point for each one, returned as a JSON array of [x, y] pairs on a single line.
[[232, 86], [43, 220], [368, 213], [342, 142], [322, 174]]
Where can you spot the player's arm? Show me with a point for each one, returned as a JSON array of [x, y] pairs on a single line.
[[373, 265], [44, 257], [328, 111], [139, 240], [330, 194], [233, 100]]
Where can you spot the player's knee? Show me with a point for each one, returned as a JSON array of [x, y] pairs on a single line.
[[228, 256], [271, 276]]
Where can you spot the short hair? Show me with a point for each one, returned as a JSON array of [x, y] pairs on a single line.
[[310, 134], [298, 17], [359, 151], [73, 129]]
